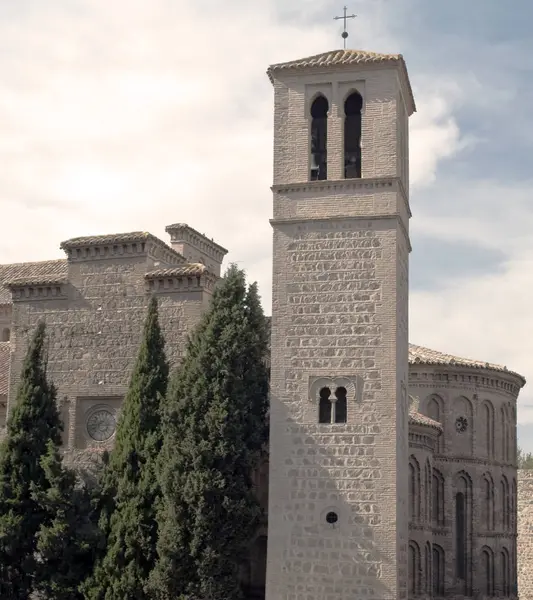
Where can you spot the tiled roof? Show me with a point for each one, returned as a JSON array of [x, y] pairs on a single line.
[[4, 367], [112, 238], [190, 269], [337, 57], [344, 58], [417, 418], [418, 355], [35, 271]]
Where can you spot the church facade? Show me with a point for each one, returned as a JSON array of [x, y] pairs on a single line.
[[392, 467]]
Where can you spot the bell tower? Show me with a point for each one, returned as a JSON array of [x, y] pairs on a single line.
[[338, 517]]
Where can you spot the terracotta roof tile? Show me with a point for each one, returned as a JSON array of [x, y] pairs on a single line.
[[5, 349], [345, 58], [418, 355], [417, 418], [190, 269], [30, 271], [112, 238], [337, 57]]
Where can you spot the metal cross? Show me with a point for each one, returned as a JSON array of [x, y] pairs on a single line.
[[345, 17]]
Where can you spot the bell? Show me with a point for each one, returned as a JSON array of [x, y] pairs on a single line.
[[314, 164]]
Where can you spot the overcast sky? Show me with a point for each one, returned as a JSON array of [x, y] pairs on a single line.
[[133, 114]]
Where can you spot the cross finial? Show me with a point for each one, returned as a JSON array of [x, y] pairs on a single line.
[[345, 17]]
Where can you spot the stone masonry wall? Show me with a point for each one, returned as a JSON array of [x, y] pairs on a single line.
[[476, 457], [327, 324], [525, 535], [94, 334]]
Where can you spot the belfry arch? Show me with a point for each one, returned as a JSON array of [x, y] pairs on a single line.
[[319, 138], [353, 106]]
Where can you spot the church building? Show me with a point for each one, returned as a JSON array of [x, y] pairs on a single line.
[[392, 467]]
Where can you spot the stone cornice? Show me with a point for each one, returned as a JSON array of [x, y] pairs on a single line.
[[39, 289], [126, 245], [472, 461], [363, 183], [421, 375], [393, 216], [177, 283], [181, 232], [424, 439]]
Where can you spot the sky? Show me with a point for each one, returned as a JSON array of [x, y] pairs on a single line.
[[131, 115]]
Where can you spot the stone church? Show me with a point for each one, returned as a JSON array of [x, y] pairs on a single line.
[[392, 467]]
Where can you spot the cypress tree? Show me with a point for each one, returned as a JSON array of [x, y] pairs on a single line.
[[214, 432], [33, 423], [66, 542], [130, 521]]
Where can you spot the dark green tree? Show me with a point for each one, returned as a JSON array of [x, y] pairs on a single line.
[[130, 477], [67, 540], [215, 431], [524, 459], [33, 423]]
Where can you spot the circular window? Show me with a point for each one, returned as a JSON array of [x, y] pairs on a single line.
[[101, 424], [461, 424], [332, 517]]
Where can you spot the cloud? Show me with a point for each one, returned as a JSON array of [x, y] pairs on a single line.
[[131, 115]]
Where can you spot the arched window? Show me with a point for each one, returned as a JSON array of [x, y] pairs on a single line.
[[427, 492], [460, 534], [505, 434], [514, 506], [487, 571], [6, 334], [427, 568], [352, 136], [487, 428], [505, 504], [504, 572], [319, 138], [488, 502], [414, 489], [437, 489], [324, 406], [341, 408], [438, 570], [463, 530], [414, 569], [434, 411]]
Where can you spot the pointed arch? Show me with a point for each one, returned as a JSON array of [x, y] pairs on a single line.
[[463, 528], [437, 499], [434, 409], [319, 138], [438, 562], [505, 503], [428, 479], [505, 573], [487, 428], [414, 569], [353, 107], [427, 569], [487, 501], [505, 432], [487, 571], [414, 489]]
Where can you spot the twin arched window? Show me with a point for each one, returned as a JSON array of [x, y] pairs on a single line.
[[332, 408], [352, 137]]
